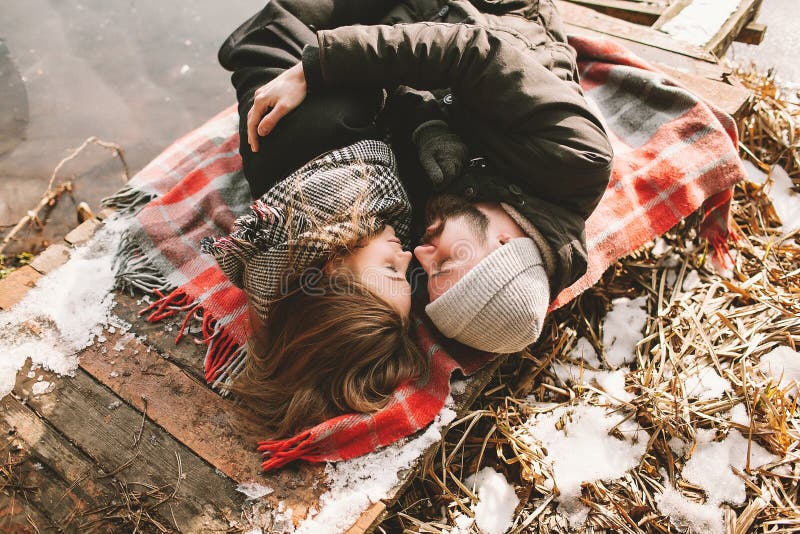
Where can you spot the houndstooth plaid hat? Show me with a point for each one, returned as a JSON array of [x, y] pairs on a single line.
[[295, 225]]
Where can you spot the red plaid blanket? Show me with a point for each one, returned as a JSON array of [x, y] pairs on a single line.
[[674, 155]]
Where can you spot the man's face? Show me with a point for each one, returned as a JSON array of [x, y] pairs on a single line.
[[453, 244]]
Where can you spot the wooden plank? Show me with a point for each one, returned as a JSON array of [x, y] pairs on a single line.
[[179, 402], [370, 519], [752, 34], [584, 17], [735, 101], [699, 77], [161, 336], [83, 232], [16, 285], [106, 431], [733, 26], [51, 258], [644, 14], [675, 7], [647, 15], [718, 44], [18, 516], [66, 481]]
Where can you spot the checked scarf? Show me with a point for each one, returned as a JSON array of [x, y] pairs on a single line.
[[674, 154]]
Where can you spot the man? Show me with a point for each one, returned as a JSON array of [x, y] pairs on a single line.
[[507, 234]]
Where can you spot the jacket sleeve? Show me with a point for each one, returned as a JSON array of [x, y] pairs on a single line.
[[535, 125], [243, 48]]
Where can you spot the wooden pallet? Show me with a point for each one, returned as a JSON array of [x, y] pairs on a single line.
[[692, 66], [740, 26], [137, 414]]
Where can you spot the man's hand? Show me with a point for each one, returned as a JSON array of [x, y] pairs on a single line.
[[273, 101], [441, 152]]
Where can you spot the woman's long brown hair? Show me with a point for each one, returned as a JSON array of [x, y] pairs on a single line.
[[326, 351]]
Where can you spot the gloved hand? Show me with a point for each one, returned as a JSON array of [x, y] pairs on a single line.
[[441, 152]]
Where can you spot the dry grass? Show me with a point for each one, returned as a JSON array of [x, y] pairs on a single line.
[[725, 323]]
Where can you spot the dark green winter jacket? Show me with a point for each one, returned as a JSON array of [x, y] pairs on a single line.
[[511, 93]]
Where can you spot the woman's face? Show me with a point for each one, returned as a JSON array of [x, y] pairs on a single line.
[[380, 263]]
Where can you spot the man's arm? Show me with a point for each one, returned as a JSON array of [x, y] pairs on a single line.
[[537, 127]]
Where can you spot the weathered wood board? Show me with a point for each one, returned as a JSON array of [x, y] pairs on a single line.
[[725, 35], [686, 64], [648, 14]]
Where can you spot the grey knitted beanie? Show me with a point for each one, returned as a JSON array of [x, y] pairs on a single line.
[[500, 305]]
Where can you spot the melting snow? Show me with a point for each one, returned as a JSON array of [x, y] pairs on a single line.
[[355, 484], [622, 329], [253, 490], [63, 313], [497, 500], [782, 364], [582, 450], [686, 514], [710, 465], [585, 351], [42, 387]]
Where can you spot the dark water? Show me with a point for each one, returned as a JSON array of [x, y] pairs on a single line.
[[140, 73]]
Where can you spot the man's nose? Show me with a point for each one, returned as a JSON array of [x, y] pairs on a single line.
[[424, 255]]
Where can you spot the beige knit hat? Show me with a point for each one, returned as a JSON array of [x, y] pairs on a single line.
[[500, 305]]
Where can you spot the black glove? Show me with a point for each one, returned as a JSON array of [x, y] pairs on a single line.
[[441, 152]]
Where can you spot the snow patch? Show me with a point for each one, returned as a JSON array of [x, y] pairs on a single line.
[[581, 450], [42, 387], [497, 500], [253, 490], [709, 466], [622, 329], [357, 483], [64, 313], [785, 199], [690, 515], [705, 384], [739, 415], [585, 351], [612, 382], [691, 281], [782, 364]]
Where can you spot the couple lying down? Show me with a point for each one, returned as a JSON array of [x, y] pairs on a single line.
[[496, 161]]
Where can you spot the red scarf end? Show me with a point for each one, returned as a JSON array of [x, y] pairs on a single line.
[[278, 453]]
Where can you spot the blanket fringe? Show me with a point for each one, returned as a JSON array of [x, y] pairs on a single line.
[[224, 357], [281, 452], [128, 200], [134, 269]]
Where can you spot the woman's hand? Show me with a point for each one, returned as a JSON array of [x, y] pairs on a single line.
[[273, 101]]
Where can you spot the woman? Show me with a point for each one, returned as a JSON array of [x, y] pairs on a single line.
[[321, 258]]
